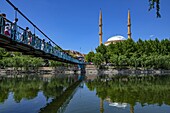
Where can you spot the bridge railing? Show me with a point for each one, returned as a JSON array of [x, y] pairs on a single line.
[[21, 35]]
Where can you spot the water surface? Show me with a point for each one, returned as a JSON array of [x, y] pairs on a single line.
[[95, 94]]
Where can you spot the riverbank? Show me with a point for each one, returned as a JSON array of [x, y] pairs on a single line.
[[110, 70], [90, 70], [41, 70]]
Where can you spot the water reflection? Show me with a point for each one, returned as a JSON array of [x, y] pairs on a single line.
[[96, 94], [119, 105], [119, 91], [21, 88]]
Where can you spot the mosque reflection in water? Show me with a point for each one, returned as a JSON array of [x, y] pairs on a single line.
[[59, 93], [120, 91]]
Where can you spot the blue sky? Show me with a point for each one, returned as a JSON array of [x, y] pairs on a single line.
[[73, 24]]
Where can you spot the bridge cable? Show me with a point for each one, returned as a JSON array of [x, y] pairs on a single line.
[[15, 14], [34, 30], [15, 8]]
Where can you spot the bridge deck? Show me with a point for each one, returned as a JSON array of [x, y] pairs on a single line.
[[20, 41], [11, 45]]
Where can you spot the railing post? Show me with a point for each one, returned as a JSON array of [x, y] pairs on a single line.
[[21, 35], [33, 40], [2, 25], [82, 68]]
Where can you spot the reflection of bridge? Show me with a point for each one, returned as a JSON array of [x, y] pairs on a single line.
[[59, 104], [15, 38]]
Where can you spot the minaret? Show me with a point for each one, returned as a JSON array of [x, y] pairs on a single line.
[[129, 26], [100, 28]]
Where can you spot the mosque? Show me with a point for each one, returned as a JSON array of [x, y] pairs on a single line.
[[116, 38]]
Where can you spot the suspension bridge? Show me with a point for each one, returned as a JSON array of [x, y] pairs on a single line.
[[16, 38]]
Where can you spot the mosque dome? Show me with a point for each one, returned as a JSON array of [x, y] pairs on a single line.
[[115, 39]]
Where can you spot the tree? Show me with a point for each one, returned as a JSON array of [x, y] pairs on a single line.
[[114, 59], [4, 53], [89, 56], [103, 50], [129, 47], [55, 63], [98, 59], [152, 4], [145, 54]]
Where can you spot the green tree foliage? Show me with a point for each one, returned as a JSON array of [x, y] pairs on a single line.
[[55, 63], [27, 87], [89, 56], [17, 60], [141, 54], [122, 89], [98, 59], [4, 53], [152, 4], [103, 50]]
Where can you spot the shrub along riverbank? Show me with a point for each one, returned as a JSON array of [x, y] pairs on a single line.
[[26, 62]]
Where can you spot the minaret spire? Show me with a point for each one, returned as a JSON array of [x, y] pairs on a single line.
[[129, 26], [100, 28]]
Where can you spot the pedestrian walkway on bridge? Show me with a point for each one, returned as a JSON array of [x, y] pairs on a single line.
[[16, 38]]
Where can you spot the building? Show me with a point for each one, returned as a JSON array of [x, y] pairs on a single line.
[[117, 38], [114, 39], [75, 54]]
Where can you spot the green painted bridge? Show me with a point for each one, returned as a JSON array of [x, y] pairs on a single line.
[[16, 38]]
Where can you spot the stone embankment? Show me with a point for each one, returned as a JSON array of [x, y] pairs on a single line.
[[90, 70], [41, 70], [110, 70]]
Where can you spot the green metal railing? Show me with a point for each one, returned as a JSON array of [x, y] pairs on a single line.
[[21, 35]]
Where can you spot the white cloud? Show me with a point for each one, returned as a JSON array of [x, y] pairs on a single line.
[[151, 36]]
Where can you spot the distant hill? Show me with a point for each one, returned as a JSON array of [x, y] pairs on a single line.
[[73, 53]]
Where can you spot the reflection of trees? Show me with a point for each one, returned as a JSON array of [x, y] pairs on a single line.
[[3, 96], [56, 86], [21, 87], [27, 87], [4, 90], [145, 90], [58, 101]]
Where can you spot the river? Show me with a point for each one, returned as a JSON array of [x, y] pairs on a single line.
[[84, 94]]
